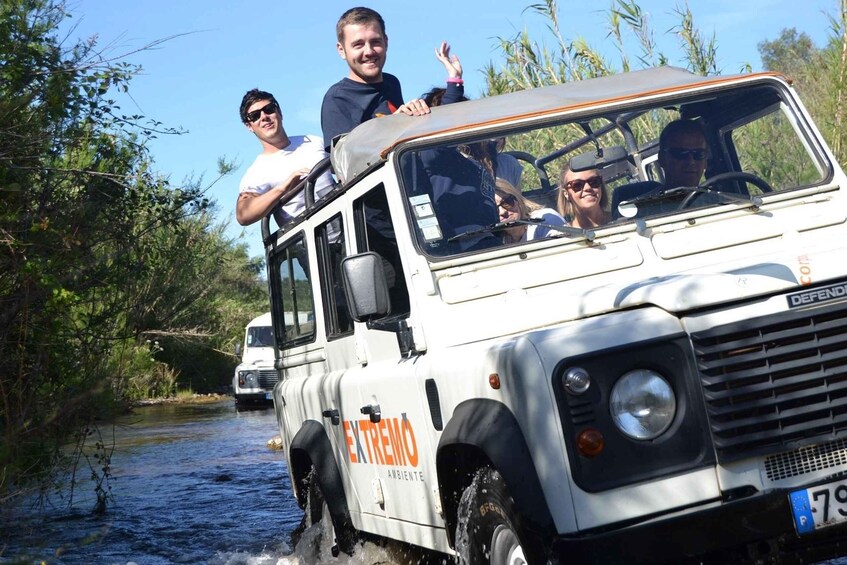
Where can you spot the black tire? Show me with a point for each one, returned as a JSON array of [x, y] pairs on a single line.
[[490, 529], [334, 533]]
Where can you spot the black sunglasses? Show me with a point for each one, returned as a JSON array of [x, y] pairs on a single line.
[[579, 184], [268, 109], [682, 154], [508, 202]]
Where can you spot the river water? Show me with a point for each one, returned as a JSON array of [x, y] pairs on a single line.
[[190, 484]]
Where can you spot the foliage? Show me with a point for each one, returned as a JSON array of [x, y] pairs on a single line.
[[102, 256], [819, 74], [529, 63]]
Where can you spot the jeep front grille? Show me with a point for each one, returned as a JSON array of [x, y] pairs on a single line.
[[806, 460], [776, 383], [268, 378]]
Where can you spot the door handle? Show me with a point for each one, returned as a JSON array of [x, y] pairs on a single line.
[[372, 410], [333, 416]]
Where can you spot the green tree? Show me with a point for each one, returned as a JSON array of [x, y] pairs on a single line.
[[102, 257]]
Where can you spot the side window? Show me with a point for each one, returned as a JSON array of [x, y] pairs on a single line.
[[329, 239], [291, 274], [375, 232]]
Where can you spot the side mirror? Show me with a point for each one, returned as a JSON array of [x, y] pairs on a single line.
[[238, 349], [365, 286]]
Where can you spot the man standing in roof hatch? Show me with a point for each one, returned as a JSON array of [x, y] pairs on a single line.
[[366, 92]]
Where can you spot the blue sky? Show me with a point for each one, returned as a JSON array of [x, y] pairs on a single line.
[[195, 81]]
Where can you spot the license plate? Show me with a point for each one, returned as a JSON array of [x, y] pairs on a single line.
[[818, 507], [267, 396]]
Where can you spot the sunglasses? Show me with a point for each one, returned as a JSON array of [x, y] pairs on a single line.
[[681, 154], [269, 109], [578, 184], [508, 202]]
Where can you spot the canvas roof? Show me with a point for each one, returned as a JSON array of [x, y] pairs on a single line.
[[370, 142]]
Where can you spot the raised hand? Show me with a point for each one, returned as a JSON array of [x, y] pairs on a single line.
[[451, 64]]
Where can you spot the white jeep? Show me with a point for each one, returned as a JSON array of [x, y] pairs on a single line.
[[668, 387], [255, 375]]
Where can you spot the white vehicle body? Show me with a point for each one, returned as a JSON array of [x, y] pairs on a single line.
[[255, 376], [716, 328]]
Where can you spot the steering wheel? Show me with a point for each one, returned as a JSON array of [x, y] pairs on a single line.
[[756, 181]]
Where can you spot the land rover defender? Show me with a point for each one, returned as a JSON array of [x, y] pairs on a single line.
[[668, 387]]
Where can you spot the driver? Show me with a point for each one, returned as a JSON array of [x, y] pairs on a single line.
[[683, 153]]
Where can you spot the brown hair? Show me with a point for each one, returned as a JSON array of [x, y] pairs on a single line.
[[253, 96], [358, 16]]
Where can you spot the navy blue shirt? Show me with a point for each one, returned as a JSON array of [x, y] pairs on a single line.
[[348, 103], [461, 190]]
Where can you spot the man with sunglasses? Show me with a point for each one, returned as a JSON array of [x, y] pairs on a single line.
[[282, 164], [683, 153]]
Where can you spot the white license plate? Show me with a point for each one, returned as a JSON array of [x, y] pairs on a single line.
[[819, 507]]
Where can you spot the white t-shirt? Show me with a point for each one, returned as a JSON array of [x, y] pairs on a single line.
[[271, 169], [549, 217]]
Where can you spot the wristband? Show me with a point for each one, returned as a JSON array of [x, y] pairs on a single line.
[[455, 80]]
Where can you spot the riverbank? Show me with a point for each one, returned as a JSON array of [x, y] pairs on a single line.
[[183, 399]]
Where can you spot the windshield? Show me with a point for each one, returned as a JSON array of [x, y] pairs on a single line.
[[642, 161], [260, 336]]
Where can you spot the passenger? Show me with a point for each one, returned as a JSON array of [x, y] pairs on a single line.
[[512, 205], [483, 152], [366, 92], [461, 188], [582, 198], [282, 164], [683, 153]]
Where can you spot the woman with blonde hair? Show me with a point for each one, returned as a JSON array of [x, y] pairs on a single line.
[[512, 205], [582, 198]]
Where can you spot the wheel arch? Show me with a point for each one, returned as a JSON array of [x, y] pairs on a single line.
[[485, 432], [309, 448]]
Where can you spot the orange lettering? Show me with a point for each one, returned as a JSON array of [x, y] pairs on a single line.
[[396, 436], [348, 439], [410, 444], [364, 428], [373, 432], [384, 441]]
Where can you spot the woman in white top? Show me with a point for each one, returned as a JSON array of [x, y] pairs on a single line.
[[512, 205]]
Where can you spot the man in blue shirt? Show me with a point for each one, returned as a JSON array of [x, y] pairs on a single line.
[[366, 92]]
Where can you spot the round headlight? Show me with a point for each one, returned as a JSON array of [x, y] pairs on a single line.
[[642, 404], [249, 379]]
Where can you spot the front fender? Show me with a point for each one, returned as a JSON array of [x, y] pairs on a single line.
[[483, 431]]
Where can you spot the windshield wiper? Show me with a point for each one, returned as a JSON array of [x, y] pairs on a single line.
[[500, 226]]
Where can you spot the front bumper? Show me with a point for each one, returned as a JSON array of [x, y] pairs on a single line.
[[757, 529], [254, 397]]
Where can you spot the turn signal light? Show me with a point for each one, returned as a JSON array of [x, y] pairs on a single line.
[[590, 442]]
